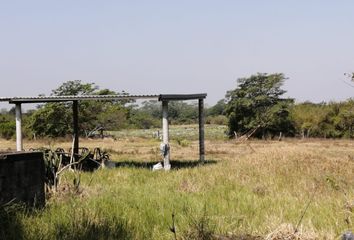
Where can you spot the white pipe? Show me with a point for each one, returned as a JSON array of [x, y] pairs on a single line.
[[19, 145]]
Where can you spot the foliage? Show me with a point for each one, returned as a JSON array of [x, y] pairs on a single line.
[[324, 119], [182, 112], [51, 120], [113, 117], [55, 119], [143, 120], [74, 88], [8, 129], [257, 104], [217, 109], [178, 112]]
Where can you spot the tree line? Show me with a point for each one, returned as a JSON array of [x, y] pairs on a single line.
[[257, 105]]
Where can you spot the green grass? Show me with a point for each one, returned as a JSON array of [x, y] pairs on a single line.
[[238, 192]]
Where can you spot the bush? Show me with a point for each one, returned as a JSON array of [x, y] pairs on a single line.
[[143, 120], [7, 129]]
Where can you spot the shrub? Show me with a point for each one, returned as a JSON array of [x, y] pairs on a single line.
[[7, 129]]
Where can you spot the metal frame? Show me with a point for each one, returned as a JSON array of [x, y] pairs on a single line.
[[164, 98]]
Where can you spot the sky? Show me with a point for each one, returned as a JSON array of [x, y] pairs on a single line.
[[194, 46]]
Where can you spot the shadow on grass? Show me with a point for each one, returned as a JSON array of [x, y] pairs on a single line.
[[175, 164], [10, 225], [86, 228]]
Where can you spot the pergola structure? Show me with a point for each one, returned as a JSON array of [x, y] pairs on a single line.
[[164, 98]]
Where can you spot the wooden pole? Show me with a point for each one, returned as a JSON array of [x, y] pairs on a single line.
[[201, 131], [76, 126], [165, 136], [19, 143]]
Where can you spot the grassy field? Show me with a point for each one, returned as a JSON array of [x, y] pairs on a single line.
[[189, 132], [253, 190]]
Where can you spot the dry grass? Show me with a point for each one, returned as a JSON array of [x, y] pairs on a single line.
[[246, 193]]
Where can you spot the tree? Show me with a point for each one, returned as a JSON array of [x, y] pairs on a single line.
[[74, 88], [51, 120], [256, 104], [178, 112], [55, 119], [217, 109], [310, 119]]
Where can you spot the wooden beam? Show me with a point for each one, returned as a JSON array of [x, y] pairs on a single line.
[[19, 143], [76, 126], [165, 136], [201, 131]]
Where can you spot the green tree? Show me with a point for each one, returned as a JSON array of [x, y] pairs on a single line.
[[257, 104], [179, 112], [55, 119], [217, 109], [51, 120], [312, 120]]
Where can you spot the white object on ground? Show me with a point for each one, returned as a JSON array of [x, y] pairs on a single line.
[[157, 167], [108, 164]]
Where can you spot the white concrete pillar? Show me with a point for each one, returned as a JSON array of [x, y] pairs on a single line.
[[165, 137], [76, 127], [19, 145]]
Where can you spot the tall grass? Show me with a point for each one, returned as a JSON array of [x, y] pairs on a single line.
[[238, 193]]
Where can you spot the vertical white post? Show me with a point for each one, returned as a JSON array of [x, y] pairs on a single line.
[[19, 146], [76, 128], [165, 137]]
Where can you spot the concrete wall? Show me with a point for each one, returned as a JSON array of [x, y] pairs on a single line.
[[22, 178]]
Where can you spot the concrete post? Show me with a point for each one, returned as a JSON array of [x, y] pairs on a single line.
[[76, 127], [165, 137], [201, 131], [19, 145]]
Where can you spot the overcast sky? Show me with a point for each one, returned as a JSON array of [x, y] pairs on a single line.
[[149, 47]]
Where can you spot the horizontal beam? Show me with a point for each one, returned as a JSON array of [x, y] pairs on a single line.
[[5, 99], [177, 97], [160, 97], [42, 99]]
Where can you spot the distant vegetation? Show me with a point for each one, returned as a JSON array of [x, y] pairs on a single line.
[[256, 105]]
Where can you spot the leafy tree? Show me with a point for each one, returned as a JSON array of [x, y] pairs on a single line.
[[51, 120], [334, 119], [74, 88], [55, 119], [343, 118], [143, 120], [152, 108], [257, 104], [309, 119], [113, 117], [182, 112], [178, 112], [217, 109], [7, 124]]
